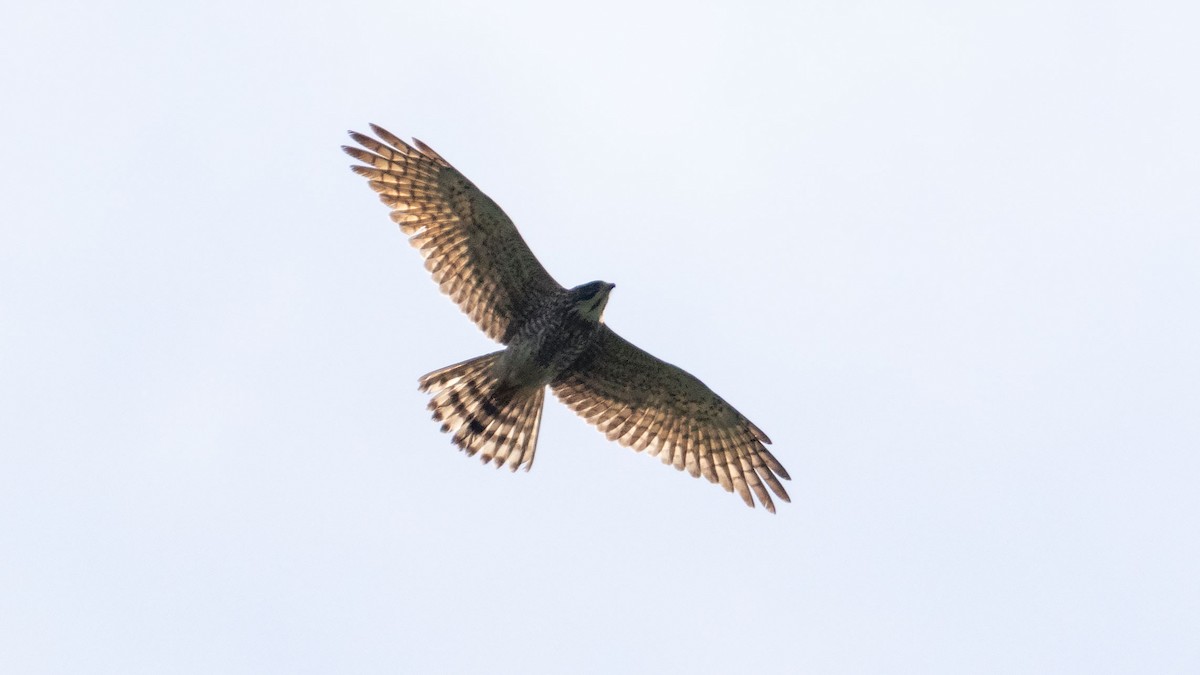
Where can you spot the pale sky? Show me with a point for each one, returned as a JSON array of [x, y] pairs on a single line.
[[946, 254]]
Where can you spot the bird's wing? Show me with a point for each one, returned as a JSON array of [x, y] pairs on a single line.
[[472, 248], [648, 404]]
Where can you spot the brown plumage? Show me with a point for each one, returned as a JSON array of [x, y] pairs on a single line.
[[554, 337], [648, 404], [502, 426]]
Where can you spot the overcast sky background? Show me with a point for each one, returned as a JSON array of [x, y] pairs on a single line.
[[946, 254]]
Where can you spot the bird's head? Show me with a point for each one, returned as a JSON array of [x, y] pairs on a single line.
[[589, 299]]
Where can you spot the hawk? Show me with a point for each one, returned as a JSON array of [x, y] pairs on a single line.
[[553, 336]]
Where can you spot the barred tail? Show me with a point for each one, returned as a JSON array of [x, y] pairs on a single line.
[[499, 423]]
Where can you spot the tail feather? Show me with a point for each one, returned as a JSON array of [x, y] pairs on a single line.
[[499, 423]]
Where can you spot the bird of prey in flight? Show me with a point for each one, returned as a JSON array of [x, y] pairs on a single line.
[[553, 336]]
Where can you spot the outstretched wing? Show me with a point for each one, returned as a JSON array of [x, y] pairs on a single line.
[[472, 248], [649, 404]]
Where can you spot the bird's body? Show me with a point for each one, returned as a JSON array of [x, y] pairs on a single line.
[[553, 337]]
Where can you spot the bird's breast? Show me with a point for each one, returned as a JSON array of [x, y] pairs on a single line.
[[546, 347]]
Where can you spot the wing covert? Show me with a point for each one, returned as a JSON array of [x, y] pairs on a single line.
[[648, 404], [470, 246]]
